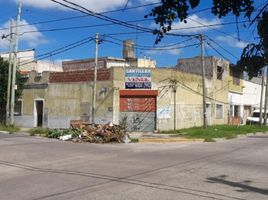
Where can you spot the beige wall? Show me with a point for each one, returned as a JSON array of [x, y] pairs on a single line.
[[66, 101], [188, 98]]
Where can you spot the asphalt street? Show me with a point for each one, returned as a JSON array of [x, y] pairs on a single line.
[[33, 168]]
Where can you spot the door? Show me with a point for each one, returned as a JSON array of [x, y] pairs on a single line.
[[138, 112], [39, 113], [208, 113]]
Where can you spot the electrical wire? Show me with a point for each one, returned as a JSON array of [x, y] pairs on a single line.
[[143, 46], [217, 51], [59, 50], [132, 21], [154, 49], [222, 47], [86, 15], [84, 10]]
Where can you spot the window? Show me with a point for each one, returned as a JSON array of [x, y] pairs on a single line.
[[18, 108], [219, 111], [236, 76], [219, 72]]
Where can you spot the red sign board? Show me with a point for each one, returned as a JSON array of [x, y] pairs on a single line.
[[137, 104]]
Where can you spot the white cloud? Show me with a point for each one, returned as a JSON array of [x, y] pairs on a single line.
[[168, 51], [201, 24], [4, 43], [32, 39], [232, 42], [94, 5]]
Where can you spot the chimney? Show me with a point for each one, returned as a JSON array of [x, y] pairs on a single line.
[[128, 50]]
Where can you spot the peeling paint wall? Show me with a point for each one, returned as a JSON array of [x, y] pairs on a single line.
[[65, 101]]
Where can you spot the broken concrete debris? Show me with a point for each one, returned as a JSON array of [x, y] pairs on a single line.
[[97, 133]]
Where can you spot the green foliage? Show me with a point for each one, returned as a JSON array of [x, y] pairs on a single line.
[[252, 60], [9, 128], [39, 131], [3, 86], [134, 140], [255, 56], [56, 133]]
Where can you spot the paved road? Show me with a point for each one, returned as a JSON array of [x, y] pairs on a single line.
[[34, 168]]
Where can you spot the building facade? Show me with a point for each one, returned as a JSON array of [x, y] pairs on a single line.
[[27, 62], [146, 99]]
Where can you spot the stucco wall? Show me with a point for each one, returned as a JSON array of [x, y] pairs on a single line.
[[64, 101], [188, 98]]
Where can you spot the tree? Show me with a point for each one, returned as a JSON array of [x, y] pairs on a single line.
[[3, 87], [254, 56]]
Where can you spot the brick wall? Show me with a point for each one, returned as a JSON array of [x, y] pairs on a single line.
[[78, 76], [87, 64]]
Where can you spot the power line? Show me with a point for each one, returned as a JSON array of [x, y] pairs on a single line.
[[156, 49], [99, 15], [106, 18], [143, 46], [77, 27], [59, 50], [208, 26], [222, 48], [86, 15], [217, 51], [109, 24]]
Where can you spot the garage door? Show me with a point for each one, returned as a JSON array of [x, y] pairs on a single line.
[[138, 109]]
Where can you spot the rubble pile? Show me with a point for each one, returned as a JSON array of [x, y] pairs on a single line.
[[97, 133]]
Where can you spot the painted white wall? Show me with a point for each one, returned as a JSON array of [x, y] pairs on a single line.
[[252, 94], [250, 97]]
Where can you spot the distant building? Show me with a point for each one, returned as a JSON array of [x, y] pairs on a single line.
[[128, 60], [27, 62]]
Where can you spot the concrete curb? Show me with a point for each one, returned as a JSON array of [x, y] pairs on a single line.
[[168, 140], [5, 132]]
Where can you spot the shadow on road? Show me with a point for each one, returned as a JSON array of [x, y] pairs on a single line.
[[244, 186]]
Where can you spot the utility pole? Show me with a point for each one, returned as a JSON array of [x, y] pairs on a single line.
[[174, 88], [203, 81], [266, 98], [95, 79], [14, 70], [262, 85], [9, 72]]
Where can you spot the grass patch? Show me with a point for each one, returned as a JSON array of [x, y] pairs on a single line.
[[134, 140], [9, 128], [39, 131], [218, 131]]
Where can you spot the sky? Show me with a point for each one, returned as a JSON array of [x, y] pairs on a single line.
[[45, 29]]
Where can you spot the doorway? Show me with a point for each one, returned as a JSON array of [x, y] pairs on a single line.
[[208, 113], [39, 113]]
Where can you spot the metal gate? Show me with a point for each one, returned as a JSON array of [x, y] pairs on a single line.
[[138, 110]]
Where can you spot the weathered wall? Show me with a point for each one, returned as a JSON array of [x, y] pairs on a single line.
[[194, 65], [188, 98], [68, 96], [35, 88]]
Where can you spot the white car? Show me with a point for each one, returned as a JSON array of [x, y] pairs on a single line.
[[255, 117]]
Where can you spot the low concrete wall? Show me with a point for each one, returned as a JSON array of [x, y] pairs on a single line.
[[25, 121]]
